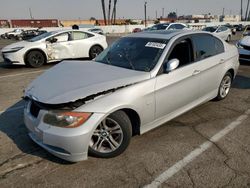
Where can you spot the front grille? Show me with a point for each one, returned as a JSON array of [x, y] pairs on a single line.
[[34, 109], [242, 56]]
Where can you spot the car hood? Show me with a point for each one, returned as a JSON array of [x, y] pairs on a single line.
[[73, 80], [14, 45], [245, 41]]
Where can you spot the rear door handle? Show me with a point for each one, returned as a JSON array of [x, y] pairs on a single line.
[[196, 72]]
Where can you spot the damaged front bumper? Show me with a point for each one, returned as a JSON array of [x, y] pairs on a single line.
[[70, 144]]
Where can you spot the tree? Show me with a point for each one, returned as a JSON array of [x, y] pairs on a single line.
[[104, 12], [92, 19], [172, 15], [111, 17]]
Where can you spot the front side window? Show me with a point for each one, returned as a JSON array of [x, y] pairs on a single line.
[[183, 51], [206, 46], [63, 37], [141, 54]]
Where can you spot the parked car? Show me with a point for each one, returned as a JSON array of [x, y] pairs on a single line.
[[29, 34], [167, 26], [244, 48], [11, 34], [246, 30], [221, 31], [138, 83], [96, 30], [55, 46], [136, 30], [233, 29], [239, 27], [14, 33]]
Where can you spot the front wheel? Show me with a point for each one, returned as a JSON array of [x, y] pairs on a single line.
[[225, 86], [35, 59], [95, 51], [112, 136]]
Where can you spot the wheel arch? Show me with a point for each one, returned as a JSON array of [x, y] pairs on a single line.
[[35, 49], [134, 118]]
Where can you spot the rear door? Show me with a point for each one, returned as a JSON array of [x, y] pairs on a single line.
[[81, 43], [210, 56]]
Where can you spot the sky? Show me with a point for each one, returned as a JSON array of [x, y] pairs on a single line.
[[133, 9]]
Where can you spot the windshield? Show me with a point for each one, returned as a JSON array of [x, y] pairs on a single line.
[[141, 54], [210, 29], [42, 36]]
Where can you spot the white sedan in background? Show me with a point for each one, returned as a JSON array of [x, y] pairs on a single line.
[[221, 31], [244, 48], [55, 46]]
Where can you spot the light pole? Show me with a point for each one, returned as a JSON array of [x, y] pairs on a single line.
[[145, 13]]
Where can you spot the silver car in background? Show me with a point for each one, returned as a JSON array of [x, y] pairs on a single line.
[[221, 31], [138, 83]]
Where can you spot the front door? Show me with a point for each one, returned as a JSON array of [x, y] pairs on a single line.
[[61, 48], [178, 90]]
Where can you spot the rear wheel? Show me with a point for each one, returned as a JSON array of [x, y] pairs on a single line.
[[35, 59], [112, 136], [225, 86], [95, 51]]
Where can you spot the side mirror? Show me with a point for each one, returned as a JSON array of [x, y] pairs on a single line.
[[171, 65], [52, 40]]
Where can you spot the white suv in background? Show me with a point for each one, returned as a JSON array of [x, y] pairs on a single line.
[[55, 46]]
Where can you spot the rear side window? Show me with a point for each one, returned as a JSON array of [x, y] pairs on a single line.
[[176, 26], [79, 35], [207, 46]]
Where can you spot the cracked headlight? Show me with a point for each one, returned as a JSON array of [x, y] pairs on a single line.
[[66, 119]]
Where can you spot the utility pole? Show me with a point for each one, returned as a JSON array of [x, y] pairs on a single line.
[[241, 11], [247, 10], [156, 15], [145, 13], [162, 12], [31, 17]]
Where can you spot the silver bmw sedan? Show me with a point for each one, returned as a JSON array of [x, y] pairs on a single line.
[[138, 83]]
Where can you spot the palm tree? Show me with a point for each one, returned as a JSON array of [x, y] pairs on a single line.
[[113, 17], [104, 12], [109, 10]]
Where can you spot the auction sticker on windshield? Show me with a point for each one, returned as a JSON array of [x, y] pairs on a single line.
[[156, 45]]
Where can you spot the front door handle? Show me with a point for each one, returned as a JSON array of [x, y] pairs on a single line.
[[222, 61], [196, 72]]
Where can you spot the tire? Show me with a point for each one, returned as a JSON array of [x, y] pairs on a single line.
[[94, 51], [108, 143], [224, 87], [35, 59], [228, 38]]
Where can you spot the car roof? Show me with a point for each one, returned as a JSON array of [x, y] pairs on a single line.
[[163, 34]]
